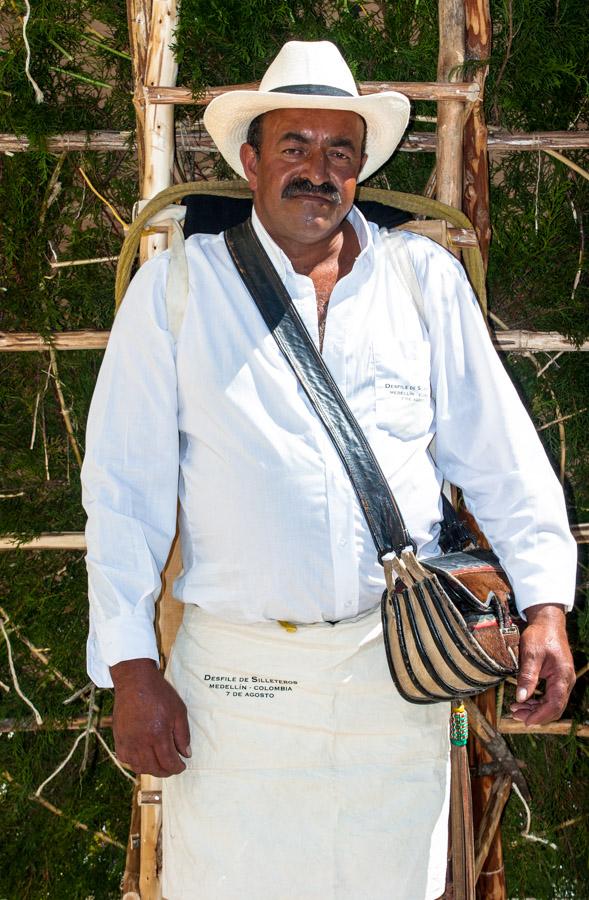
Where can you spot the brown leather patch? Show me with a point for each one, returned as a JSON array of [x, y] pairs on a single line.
[[481, 581], [491, 640]]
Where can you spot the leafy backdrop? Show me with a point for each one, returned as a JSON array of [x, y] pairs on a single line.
[[538, 279]]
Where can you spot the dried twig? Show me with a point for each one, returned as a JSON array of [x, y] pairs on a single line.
[[64, 410], [113, 757], [82, 262], [79, 693], [17, 688], [45, 451], [100, 836], [38, 654], [526, 831], [61, 765], [568, 162], [88, 730], [39, 397], [104, 200], [570, 822], [510, 36], [563, 419], [582, 671], [550, 362], [64, 762], [4, 687]]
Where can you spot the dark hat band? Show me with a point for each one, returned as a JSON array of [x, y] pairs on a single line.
[[323, 90]]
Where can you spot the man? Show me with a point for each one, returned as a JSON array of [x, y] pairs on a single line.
[[298, 770]]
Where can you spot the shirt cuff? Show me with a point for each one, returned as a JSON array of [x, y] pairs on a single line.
[[534, 592], [116, 640]]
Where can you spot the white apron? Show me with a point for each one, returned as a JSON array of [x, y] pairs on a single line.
[[310, 778]]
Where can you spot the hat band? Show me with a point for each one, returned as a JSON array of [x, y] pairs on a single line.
[[324, 90]]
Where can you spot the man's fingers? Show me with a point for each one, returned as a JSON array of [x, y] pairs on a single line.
[[167, 756], [181, 734]]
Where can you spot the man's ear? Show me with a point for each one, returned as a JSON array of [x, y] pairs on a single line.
[[249, 161]]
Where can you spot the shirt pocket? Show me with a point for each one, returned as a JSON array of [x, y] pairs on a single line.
[[402, 372]]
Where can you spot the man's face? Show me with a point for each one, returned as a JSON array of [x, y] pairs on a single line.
[[305, 176]]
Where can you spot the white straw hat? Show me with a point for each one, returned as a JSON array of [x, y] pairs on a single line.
[[308, 75]]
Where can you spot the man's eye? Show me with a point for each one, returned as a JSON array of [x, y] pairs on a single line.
[[340, 155], [292, 151]]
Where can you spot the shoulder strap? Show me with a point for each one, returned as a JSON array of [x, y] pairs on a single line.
[[399, 255], [177, 281], [286, 326]]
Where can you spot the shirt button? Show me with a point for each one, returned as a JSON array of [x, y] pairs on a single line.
[[342, 542]]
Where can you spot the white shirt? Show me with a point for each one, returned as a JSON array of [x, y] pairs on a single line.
[[269, 522]]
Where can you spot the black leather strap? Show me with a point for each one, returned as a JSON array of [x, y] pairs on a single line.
[[278, 311]]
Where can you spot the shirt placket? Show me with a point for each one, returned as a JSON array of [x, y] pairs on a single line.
[[338, 488]]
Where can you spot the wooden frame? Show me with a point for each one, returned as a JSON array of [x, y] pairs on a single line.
[[461, 145]]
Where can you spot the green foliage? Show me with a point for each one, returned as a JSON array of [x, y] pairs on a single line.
[[538, 280], [85, 83], [538, 78]]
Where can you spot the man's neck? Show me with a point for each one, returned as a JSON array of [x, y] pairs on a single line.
[[338, 250]]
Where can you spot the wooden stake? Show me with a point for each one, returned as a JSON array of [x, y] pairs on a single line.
[[154, 63], [158, 143], [450, 112], [476, 158]]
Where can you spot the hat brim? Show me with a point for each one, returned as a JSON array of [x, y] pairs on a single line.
[[227, 119]]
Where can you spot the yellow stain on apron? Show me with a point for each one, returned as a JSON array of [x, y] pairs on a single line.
[[310, 779]]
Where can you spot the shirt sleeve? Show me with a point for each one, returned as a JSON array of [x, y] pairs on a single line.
[[130, 476], [486, 443]]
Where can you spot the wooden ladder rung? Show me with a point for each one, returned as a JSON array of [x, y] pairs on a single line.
[[464, 91]]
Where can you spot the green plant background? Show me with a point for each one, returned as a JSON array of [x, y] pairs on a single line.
[[80, 59]]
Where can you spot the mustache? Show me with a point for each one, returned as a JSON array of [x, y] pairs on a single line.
[[300, 186]]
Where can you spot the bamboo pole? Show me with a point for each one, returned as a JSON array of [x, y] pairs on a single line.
[[516, 341], [564, 727], [476, 157], [450, 112], [138, 21], [48, 540], [194, 139], [158, 143], [427, 90]]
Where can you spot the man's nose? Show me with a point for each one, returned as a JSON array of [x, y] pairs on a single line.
[[316, 165]]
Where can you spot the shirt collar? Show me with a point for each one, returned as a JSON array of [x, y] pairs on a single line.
[[280, 260]]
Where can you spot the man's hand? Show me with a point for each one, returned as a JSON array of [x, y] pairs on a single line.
[[544, 653], [150, 724]]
